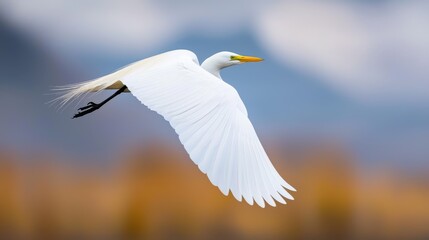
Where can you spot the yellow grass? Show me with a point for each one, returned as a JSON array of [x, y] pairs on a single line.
[[158, 193]]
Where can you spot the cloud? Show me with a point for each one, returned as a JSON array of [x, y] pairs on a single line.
[[125, 26], [112, 26], [373, 52], [370, 51]]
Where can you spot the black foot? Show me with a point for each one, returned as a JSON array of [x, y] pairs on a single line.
[[89, 108]]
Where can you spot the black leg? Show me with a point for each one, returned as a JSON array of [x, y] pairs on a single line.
[[91, 106]]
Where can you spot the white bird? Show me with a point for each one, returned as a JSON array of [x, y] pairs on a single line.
[[207, 114]]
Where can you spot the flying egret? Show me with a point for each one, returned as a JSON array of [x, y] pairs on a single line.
[[207, 114]]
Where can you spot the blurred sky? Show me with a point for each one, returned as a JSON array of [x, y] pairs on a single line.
[[354, 73]]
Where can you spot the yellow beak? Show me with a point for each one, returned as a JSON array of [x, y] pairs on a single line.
[[246, 58]]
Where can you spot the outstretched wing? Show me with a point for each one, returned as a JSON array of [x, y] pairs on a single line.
[[212, 124]]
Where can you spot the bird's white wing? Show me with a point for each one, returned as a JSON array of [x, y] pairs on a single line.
[[212, 124]]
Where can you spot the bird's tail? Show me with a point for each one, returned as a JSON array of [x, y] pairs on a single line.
[[71, 92]]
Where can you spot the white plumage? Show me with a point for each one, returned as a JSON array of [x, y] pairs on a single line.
[[207, 114]]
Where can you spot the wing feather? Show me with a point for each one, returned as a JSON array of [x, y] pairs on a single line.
[[212, 124]]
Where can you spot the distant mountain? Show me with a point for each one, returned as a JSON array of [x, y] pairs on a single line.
[[291, 104], [285, 104], [24, 63], [27, 72]]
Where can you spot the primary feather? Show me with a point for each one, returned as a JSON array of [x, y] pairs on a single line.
[[209, 117]]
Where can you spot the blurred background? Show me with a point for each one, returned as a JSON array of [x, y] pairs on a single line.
[[340, 103]]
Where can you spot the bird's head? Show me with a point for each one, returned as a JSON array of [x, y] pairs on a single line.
[[225, 59], [230, 58]]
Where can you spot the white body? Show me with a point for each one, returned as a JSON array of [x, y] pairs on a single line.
[[209, 117]]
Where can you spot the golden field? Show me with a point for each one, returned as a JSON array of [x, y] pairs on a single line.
[[157, 193]]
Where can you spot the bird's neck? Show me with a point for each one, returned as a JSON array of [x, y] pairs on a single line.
[[212, 66]]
